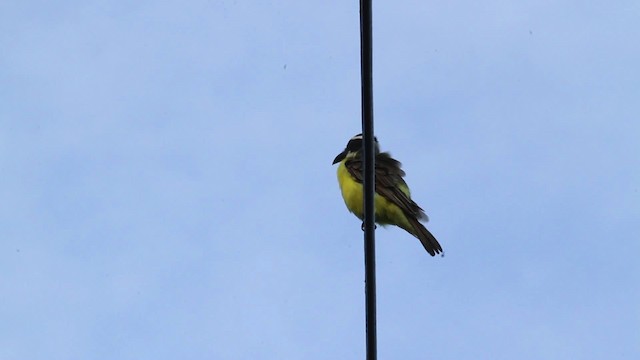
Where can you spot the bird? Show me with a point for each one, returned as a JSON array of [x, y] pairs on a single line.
[[392, 199]]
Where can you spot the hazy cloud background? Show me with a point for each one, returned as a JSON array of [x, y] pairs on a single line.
[[167, 190]]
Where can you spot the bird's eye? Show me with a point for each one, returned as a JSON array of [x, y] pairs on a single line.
[[354, 145]]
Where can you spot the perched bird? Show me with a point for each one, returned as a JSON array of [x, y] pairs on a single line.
[[393, 204]]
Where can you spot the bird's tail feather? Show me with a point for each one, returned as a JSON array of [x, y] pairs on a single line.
[[426, 238]]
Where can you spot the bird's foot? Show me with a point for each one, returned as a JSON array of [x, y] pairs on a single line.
[[374, 226]]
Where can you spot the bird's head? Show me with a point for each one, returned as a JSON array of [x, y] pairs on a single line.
[[354, 147]]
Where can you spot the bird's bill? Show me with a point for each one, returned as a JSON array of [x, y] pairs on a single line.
[[340, 157]]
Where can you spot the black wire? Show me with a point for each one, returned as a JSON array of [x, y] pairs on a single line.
[[369, 178]]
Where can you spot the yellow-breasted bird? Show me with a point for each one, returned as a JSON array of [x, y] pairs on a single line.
[[393, 202]]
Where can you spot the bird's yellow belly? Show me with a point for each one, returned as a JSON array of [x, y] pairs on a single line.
[[386, 212]]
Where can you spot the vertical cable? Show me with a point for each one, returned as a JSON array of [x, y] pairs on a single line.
[[369, 178]]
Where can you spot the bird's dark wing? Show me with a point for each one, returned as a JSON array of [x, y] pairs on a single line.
[[389, 176], [389, 182]]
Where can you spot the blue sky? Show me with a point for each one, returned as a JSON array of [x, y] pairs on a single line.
[[167, 189]]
